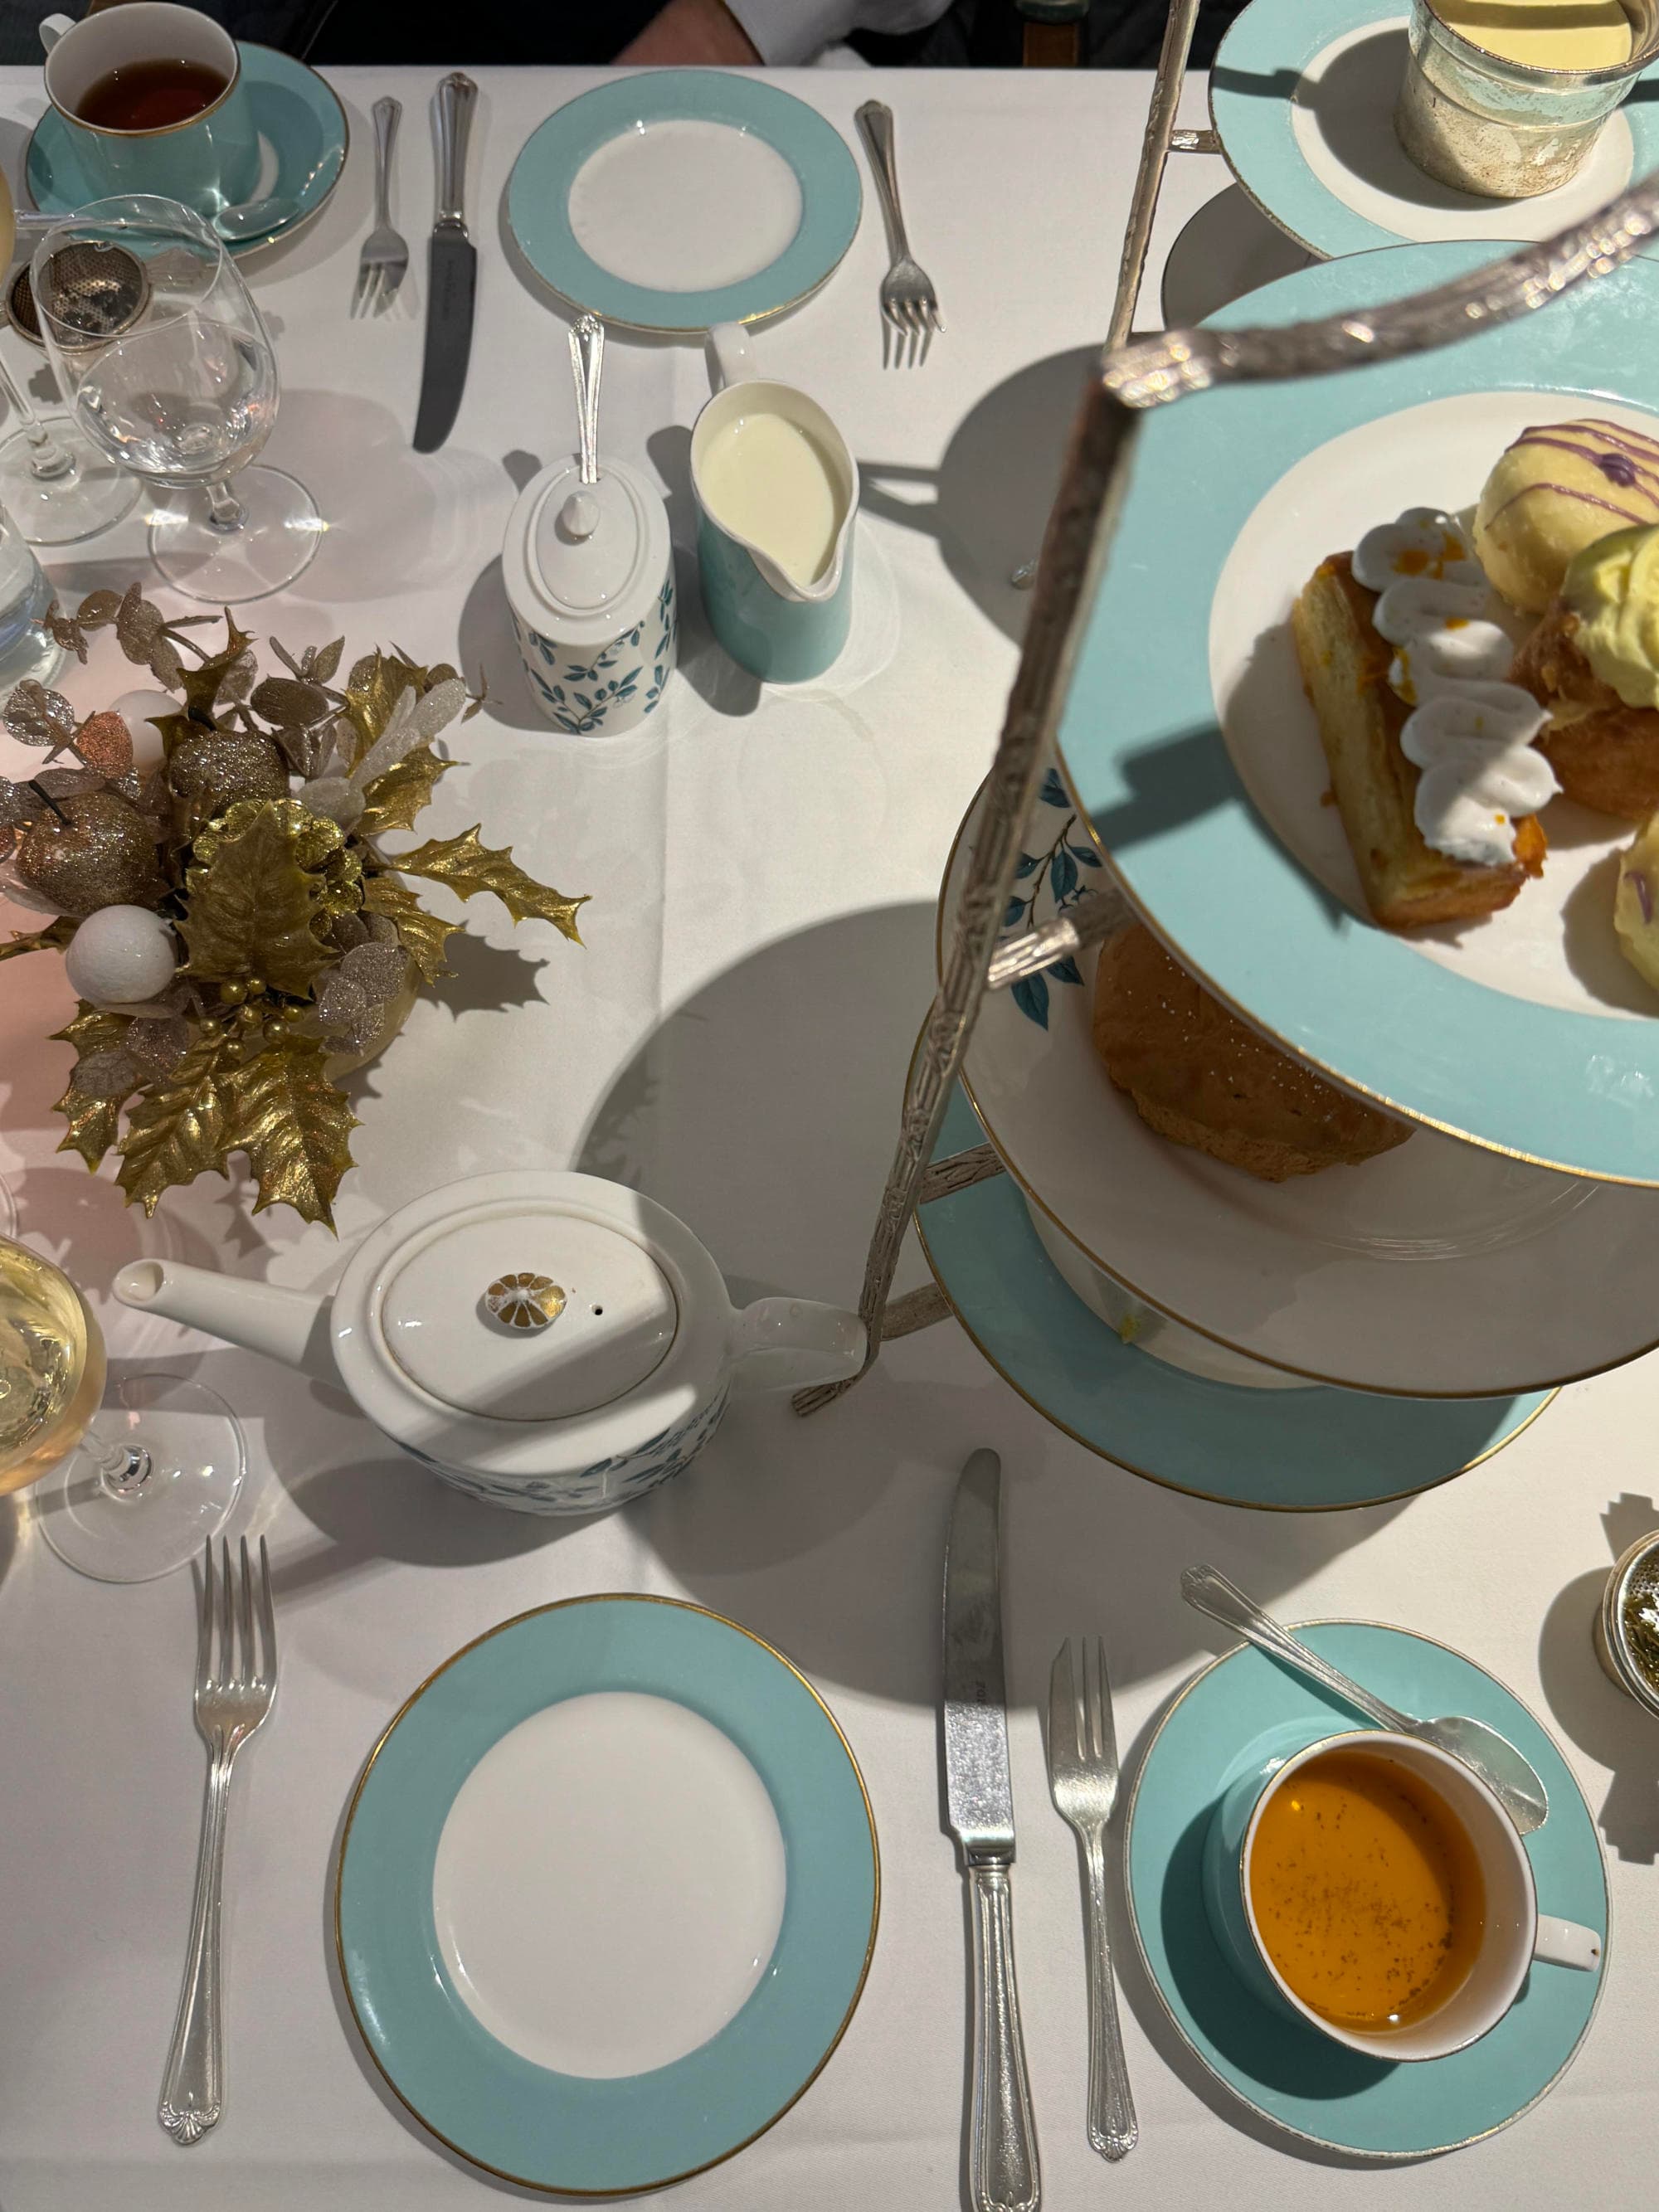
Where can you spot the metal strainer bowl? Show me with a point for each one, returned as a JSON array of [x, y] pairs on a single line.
[[1627, 1628], [96, 293]]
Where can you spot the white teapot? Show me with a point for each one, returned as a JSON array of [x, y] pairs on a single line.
[[550, 1342]]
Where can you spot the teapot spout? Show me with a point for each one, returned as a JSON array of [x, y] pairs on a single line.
[[791, 1344], [291, 1326]]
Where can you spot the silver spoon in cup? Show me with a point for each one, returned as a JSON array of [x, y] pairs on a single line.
[[1510, 1778]]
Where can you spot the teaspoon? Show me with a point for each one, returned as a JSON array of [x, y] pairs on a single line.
[[1511, 1778]]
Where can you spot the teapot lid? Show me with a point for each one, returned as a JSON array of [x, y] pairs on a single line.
[[532, 1312]]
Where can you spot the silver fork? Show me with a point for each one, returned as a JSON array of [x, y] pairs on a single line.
[[234, 1691], [907, 297], [1083, 1782], [385, 257]]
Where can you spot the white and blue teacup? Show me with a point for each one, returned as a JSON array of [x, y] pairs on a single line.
[[210, 161], [777, 494], [1514, 1932]]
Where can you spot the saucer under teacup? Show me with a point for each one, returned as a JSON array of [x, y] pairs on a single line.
[[1235, 1714], [303, 135], [1302, 101], [607, 1894], [1302, 1451]]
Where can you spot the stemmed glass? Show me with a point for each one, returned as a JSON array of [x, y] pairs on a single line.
[[172, 373], [56, 487], [123, 1493]]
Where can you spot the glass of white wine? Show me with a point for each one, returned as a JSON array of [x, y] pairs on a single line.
[[124, 1492]]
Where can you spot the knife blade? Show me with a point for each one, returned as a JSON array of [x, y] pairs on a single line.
[[1002, 2159], [452, 273]]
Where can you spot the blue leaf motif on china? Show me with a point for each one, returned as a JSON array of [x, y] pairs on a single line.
[[1056, 876], [606, 1482]]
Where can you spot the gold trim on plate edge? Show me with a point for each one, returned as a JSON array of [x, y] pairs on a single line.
[[559, 1605]]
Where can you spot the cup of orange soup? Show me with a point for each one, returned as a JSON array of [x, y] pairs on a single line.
[[1376, 1887]]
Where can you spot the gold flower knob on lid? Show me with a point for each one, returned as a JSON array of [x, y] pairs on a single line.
[[524, 1301]]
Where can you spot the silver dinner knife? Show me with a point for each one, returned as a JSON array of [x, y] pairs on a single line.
[[452, 274], [1002, 2157]]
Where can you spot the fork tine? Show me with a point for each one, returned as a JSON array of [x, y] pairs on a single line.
[[205, 1621], [360, 291], [267, 1616], [934, 316], [912, 324], [250, 1667], [1103, 1689], [227, 1669], [1091, 1670], [1062, 1707]]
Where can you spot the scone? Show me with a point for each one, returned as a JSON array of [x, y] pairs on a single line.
[[1594, 661], [1345, 670], [1198, 1076]]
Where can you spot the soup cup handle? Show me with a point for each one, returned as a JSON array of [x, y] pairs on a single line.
[[52, 28], [1565, 1943]]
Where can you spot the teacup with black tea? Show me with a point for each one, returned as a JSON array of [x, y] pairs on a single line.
[[150, 94]]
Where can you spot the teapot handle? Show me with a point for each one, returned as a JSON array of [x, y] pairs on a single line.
[[789, 1343]]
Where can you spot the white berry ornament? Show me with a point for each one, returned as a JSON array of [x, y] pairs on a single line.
[[122, 955]]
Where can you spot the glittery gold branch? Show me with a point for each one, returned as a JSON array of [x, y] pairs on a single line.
[[423, 935], [294, 1126], [178, 1129], [253, 898], [469, 867]]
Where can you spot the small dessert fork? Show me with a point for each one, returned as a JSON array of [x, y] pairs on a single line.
[[1083, 1782], [384, 261], [234, 1691], [907, 297]]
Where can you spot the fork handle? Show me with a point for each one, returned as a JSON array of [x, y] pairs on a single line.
[[193, 2087], [387, 113], [875, 120], [1113, 2129], [1002, 2159]]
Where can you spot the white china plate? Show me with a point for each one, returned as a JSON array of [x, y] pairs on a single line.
[[1440, 1269]]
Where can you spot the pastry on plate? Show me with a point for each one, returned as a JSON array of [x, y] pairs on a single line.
[[1559, 488], [1199, 1076], [1429, 745], [1635, 903], [1593, 661]]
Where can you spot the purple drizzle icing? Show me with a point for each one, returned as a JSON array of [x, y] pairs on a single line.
[[1630, 462]]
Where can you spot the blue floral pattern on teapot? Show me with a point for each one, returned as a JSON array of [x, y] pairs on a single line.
[[588, 694]]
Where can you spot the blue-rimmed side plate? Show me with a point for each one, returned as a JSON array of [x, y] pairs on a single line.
[[1291, 1450], [1192, 748], [680, 198], [1303, 100], [303, 142], [1235, 1715], [629, 1836]]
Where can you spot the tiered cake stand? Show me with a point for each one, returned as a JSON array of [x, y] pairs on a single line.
[[1028, 1300]]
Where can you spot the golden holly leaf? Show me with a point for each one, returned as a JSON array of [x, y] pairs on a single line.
[[92, 1029], [469, 867], [253, 900], [393, 800], [93, 1124], [423, 935], [201, 684], [294, 1126], [373, 689], [53, 937], [180, 1127]]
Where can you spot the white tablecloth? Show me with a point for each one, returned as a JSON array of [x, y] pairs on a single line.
[[733, 1039]]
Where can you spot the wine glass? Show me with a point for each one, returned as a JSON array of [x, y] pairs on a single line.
[[172, 373], [55, 486], [125, 1491]]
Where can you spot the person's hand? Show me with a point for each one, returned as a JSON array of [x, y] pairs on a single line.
[[691, 32]]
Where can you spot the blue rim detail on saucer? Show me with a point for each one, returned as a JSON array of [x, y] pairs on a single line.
[[1303, 1451], [1272, 43], [1240, 1710], [539, 196], [1560, 1088], [295, 109], [559, 2132]]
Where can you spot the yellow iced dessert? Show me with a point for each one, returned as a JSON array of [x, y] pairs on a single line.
[[1558, 489], [1560, 34], [1613, 586], [1635, 903]]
